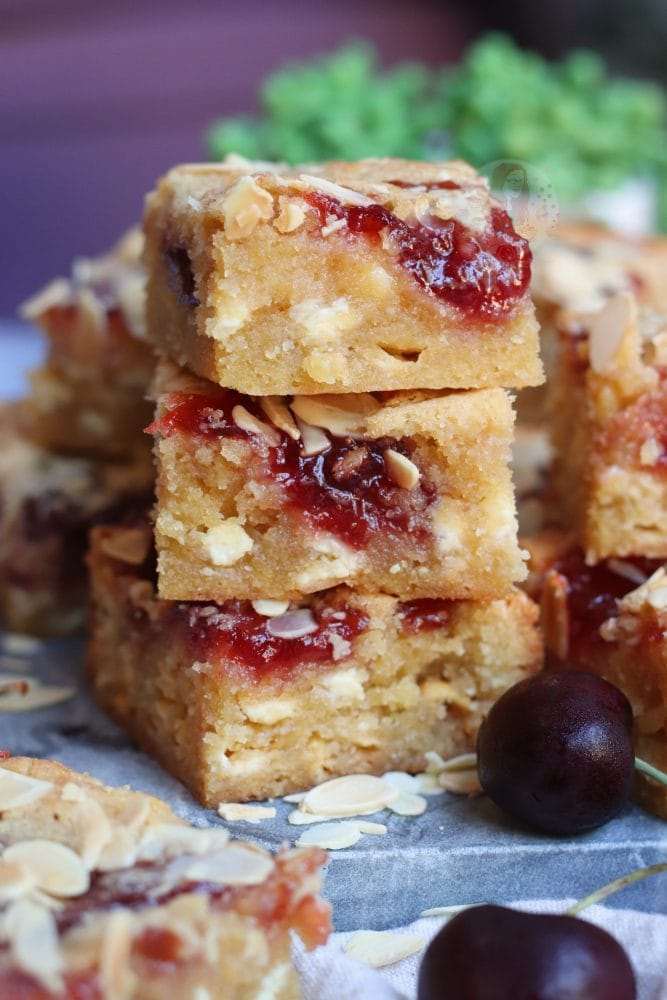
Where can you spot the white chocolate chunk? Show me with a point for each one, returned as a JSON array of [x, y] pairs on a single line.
[[226, 543]]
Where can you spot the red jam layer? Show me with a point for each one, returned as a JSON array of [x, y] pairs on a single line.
[[234, 632], [344, 490], [425, 615], [482, 274], [428, 186], [593, 593]]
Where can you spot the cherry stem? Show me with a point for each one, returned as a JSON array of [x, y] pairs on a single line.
[[653, 772], [615, 886]]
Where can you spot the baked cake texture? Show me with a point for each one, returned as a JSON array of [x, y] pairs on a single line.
[[106, 894], [47, 504], [344, 277], [274, 498], [608, 404], [610, 619], [89, 395], [249, 700]]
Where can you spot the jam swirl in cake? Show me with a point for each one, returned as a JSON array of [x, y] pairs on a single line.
[[344, 489], [482, 274]]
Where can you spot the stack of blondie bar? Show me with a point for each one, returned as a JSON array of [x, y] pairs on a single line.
[[329, 583], [73, 451], [599, 567]]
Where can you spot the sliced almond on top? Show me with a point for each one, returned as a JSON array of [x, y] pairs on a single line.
[[381, 948], [57, 869], [331, 836], [278, 413], [402, 470], [20, 790], [16, 880], [171, 839], [244, 419], [235, 864], [352, 795], [614, 339], [33, 938], [339, 415]]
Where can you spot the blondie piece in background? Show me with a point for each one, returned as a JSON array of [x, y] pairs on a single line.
[[106, 893], [273, 498], [248, 700], [610, 619], [345, 277], [47, 504], [609, 406], [89, 395]]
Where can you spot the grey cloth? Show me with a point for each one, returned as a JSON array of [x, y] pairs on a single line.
[[460, 851]]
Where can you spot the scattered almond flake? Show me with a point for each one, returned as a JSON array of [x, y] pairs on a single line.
[[270, 609], [461, 763], [32, 696], [434, 762], [12, 684], [428, 784], [33, 939], [344, 194], [402, 781], [352, 795], [299, 818], [241, 812], [16, 880], [627, 571], [374, 829], [295, 797], [446, 911], [381, 948], [234, 864], [57, 293], [56, 868], [461, 782], [20, 645], [171, 839], [116, 976], [18, 790], [614, 339], [292, 625], [276, 409], [331, 836], [408, 804]]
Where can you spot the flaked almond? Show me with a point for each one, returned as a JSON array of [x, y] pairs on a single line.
[[293, 625], [402, 470], [331, 836], [245, 812], [56, 294], [17, 790], [278, 413], [291, 216], [313, 439], [235, 864], [248, 422], [56, 869], [23, 695], [270, 609], [352, 795], [16, 880], [627, 570], [166, 840], [462, 782], [614, 339], [245, 205], [344, 194], [34, 943], [380, 948], [408, 804], [334, 413]]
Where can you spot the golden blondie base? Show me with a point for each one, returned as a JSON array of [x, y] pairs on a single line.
[[410, 494], [106, 893], [47, 504], [339, 278], [89, 395], [242, 706]]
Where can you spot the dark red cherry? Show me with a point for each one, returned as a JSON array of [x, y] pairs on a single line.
[[493, 953], [556, 752]]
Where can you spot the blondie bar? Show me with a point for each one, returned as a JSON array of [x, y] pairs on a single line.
[[344, 277], [106, 894], [608, 400], [611, 619], [246, 700], [89, 395], [47, 504], [276, 497]]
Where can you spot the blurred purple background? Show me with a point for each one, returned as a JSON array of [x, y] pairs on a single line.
[[96, 100]]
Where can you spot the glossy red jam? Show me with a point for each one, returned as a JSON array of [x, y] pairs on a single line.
[[482, 274], [593, 593], [428, 186], [344, 490], [160, 945], [234, 632], [426, 614], [628, 430]]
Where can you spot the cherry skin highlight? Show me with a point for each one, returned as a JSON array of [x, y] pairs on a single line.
[[556, 752], [494, 953]]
